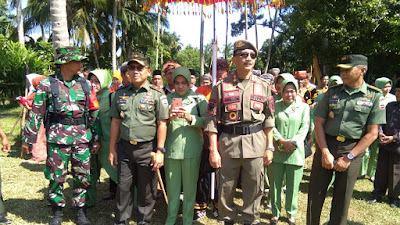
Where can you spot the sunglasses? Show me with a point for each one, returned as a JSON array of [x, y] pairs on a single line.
[[244, 55], [138, 68]]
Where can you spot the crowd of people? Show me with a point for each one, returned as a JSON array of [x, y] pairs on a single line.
[[250, 131]]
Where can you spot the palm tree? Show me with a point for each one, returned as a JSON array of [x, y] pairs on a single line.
[[37, 13]]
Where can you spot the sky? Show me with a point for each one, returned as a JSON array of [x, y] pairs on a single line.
[[188, 28]]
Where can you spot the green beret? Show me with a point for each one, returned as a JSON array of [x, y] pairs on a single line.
[[67, 54], [242, 44]]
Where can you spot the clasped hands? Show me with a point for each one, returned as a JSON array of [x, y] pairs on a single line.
[[181, 112]]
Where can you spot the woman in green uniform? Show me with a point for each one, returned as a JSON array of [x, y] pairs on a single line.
[[101, 81], [292, 120], [183, 145]]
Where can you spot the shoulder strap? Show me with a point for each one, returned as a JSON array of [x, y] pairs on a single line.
[[197, 106], [55, 92], [86, 90]]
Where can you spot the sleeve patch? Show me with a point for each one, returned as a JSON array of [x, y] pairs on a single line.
[[271, 104], [212, 106]]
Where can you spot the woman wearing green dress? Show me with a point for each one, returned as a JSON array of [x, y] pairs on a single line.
[[184, 145], [292, 120]]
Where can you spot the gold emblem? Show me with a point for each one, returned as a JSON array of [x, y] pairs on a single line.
[[122, 114], [331, 114], [341, 139], [239, 44], [133, 142]]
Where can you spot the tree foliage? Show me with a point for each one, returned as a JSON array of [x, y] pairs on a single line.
[[332, 28]]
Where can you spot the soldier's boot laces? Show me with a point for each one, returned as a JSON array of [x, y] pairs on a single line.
[[81, 218], [57, 216]]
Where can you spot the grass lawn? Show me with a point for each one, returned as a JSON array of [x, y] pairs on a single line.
[[24, 190]]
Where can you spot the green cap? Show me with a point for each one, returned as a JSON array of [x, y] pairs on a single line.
[[349, 61], [181, 71], [141, 59], [242, 44], [68, 54]]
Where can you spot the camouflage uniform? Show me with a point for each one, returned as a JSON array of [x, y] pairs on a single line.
[[65, 142]]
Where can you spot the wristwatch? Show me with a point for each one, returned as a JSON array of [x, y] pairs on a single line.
[[350, 156], [272, 149], [160, 149]]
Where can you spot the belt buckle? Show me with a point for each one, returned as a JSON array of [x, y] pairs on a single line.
[[133, 142], [340, 138]]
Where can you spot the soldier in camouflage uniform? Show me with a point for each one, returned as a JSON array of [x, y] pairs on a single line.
[[70, 110]]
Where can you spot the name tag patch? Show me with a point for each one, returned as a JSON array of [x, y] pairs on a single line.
[[231, 96]]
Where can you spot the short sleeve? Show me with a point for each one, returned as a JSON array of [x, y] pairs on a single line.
[[378, 114], [162, 109], [114, 111], [323, 107]]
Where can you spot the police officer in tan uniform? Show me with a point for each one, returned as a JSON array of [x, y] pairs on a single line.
[[242, 103], [347, 120]]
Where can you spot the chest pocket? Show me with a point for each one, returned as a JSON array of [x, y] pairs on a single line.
[[362, 109]]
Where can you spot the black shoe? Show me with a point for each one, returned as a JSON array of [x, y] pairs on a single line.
[[109, 197], [394, 203], [274, 221], [81, 218], [4, 220], [121, 222], [375, 200], [57, 215], [228, 223]]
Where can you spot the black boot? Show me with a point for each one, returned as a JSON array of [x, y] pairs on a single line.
[[57, 215], [4, 220], [81, 218]]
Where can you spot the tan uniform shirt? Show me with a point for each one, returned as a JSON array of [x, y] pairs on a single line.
[[235, 104]]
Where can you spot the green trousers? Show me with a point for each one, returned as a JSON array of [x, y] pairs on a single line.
[[364, 164], [293, 175], [96, 163], [181, 172], [373, 158]]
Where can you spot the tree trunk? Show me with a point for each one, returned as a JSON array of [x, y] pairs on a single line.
[[58, 12], [162, 48], [20, 22], [202, 42], [227, 30], [114, 37], [271, 41], [158, 35], [246, 23], [43, 33], [93, 44]]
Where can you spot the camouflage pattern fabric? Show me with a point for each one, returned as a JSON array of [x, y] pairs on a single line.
[[57, 168], [68, 54], [72, 104]]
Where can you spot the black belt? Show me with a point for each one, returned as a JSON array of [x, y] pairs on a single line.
[[68, 121], [135, 142], [241, 130], [341, 138]]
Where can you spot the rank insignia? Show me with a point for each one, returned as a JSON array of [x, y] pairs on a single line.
[[212, 106], [233, 116]]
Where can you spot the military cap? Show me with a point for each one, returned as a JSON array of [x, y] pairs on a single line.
[[349, 61], [301, 74], [67, 54], [242, 44], [141, 59], [183, 71]]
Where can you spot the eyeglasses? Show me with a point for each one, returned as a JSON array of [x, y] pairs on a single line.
[[244, 55], [138, 68]]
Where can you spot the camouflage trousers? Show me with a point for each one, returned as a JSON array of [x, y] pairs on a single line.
[[57, 168]]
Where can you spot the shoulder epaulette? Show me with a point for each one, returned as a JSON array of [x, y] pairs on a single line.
[[154, 87], [374, 88]]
